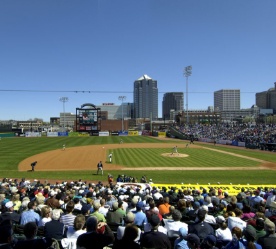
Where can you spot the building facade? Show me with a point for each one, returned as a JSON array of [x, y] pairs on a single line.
[[145, 98], [227, 100], [267, 99], [172, 101]]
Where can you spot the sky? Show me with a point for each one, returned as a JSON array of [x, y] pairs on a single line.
[[92, 51]]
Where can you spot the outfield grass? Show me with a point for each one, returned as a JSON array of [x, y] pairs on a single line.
[[14, 150]]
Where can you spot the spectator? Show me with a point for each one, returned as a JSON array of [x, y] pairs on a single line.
[[140, 217], [269, 240], [54, 228], [9, 214], [114, 216], [52, 202], [6, 232], [92, 237], [129, 239], [175, 224], [181, 243], [45, 215], [68, 218], [31, 242], [154, 238], [164, 207], [250, 238], [201, 228], [76, 230], [100, 217], [30, 215], [223, 233], [193, 241]]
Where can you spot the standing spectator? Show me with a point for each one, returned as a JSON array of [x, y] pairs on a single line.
[[30, 215]]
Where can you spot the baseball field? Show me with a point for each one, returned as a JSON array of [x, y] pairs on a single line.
[[137, 156]]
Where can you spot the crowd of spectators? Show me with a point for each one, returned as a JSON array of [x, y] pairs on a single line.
[[248, 133], [86, 215]]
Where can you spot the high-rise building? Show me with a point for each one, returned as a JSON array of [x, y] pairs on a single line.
[[227, 100], [267, 99], [145, 98], [172, 101]]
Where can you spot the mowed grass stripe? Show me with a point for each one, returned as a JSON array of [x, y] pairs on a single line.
[[148, 157]]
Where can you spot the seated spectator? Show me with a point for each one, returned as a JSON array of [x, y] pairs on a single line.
[[128, 220], [113, 216], [269, 240], [100, 217], [250, 237], [236, 239], [16, 200], [209, 242], [30, 215], [129, 239], [223, 233], [68, 218], [31, 242], [45, 215], [181, 243], [236, 221], [54, 228], [77, 229], [9, 214], [140, 217], [164, 207], [193, 241], [154, 238], [92, 237], [52, 202], [173, 225], [201, 228], [6, 232]]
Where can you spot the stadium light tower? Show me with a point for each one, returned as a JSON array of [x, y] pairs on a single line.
[[63, 99], [122, 98], [187, 73]]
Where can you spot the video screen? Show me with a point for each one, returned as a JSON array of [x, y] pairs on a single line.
[[87, 117]]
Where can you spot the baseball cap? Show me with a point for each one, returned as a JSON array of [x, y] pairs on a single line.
[[183, 231], [220, 219], [9, 204]]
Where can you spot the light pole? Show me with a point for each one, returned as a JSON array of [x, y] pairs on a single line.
[[63, 99], [122, 98], [187, 73]]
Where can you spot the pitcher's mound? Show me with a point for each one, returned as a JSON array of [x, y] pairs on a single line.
[[174, 155]]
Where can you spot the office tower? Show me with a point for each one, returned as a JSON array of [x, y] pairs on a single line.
[[267, 99], [172, 101], [145, 98], [227, 100]]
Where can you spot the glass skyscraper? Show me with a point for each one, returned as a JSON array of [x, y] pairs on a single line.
[[145, 98]]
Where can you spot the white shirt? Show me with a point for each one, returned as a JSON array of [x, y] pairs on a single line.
[[223, 234]]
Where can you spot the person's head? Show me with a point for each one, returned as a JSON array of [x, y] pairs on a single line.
[[96, 206], [55, 214], [176, 215], [269, 226], [201, 214], [131, 232], [31, 205], [129, 218], [79, 222], [260, 224], [91, 224], [154, 221], [70, 206], [193, 241], [30, 230], [45, 211], [237, 232], [221, 222], [250, 235]]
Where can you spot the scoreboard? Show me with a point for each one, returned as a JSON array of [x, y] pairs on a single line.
[[87, 118]]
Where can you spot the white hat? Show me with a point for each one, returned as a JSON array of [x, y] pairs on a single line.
[[9, 204]]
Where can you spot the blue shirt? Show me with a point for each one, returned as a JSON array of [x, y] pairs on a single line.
[[29, 216], [140, 219]]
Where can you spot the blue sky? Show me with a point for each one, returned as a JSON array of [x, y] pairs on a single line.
[[55, 48]]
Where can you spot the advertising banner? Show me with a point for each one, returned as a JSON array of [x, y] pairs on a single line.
[[103, 133], [161, 134], [133, 133], [231, 189], [63, 134], [52, 134], [32, 134]]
